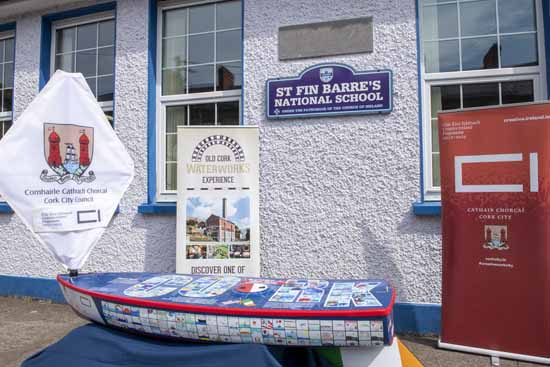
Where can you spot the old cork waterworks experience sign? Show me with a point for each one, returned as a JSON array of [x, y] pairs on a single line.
[[330, 89], [218, 224]]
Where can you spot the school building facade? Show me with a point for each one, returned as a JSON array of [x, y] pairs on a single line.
[[340, 196]]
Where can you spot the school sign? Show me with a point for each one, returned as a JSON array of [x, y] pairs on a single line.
[[330, 89]]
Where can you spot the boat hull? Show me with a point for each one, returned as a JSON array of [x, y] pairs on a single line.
[[298, 312]]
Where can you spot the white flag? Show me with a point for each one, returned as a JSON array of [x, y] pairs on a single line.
[[63, 169]]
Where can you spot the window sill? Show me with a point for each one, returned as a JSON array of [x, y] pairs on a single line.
[[157, 208], [5, 209], [427, 208]]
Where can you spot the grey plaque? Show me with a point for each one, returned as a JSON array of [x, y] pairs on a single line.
[[339, 37]]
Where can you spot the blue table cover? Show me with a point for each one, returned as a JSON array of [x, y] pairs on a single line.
[[93, 345]]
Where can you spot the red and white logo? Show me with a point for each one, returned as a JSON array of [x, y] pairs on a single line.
[[68, 150]]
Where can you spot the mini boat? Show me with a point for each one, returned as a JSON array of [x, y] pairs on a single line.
[[303, 312]]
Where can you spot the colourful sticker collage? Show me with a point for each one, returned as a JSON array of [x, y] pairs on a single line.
[[342, 293], [302, 291], [186, 286], [157, 286], [209, 286], [245, 329]]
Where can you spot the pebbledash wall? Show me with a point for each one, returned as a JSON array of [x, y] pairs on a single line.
[[336, 192]]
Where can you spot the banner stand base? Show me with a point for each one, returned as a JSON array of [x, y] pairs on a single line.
[[372, 356], [493, 353]]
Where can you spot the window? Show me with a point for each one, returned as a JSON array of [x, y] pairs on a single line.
[[199, 78], [476, 53], [7, 51], [87, 45]]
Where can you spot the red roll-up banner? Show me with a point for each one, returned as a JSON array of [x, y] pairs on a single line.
[[495, 193]]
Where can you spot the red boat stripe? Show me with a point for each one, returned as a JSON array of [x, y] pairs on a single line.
[[250, 312]]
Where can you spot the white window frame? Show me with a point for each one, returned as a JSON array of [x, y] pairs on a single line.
[[163, 195], [8, 116], [535, 73], [107, 106]]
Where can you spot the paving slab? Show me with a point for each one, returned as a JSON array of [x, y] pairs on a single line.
[[27, 326], [426, 350]]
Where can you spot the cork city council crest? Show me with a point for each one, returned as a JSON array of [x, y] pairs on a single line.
[[68, 150], [496, 238]]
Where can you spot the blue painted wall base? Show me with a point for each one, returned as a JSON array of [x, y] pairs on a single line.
[[41, 288], [418, 318], [409, 317]]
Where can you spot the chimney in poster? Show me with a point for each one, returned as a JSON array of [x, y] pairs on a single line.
[[224, 203]]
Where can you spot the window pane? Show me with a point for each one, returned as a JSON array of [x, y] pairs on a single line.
[[229, 76], [516, 16], [4, 126], [174, 22], [106, 61], [519, 50], [9, 50], [436, 176], [481, 94], [228, 113], [65, 62], [86, 36], [8, 75], [517, 92], [173, 52], [1, 76], [479, 53], [65, 40], [435, 135], [171, 174], [105, 88], [201, 78], [110, 117], [86, 62], [228, 45], [91, 83], [441, 56], [478, 18], [171, 147], [228, 15], [440, 21], [7, 100], [175, 116], [445, 97], [173, 81], [106, 33], [201, 18], [202, 114], [201, 48]]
